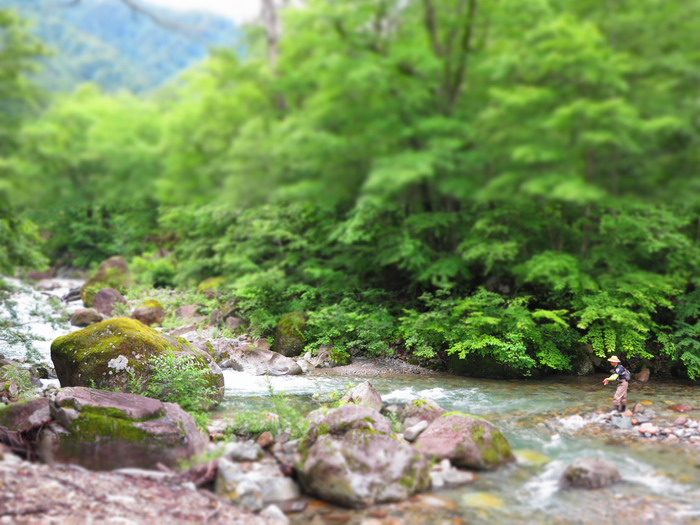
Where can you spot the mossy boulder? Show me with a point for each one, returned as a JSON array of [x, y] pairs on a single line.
[[115, 355], [107, 430], [289, 335], [467, 441], [112, 273], [350, 458]]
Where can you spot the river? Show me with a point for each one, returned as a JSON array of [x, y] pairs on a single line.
[[547, 421]]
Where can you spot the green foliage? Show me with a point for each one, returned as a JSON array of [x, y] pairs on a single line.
[[501, 184], [153, 271], [284, 416], [177, 379]]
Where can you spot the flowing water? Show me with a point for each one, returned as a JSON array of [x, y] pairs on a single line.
[[548, 422]]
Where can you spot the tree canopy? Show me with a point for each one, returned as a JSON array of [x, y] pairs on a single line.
[[453, 179]]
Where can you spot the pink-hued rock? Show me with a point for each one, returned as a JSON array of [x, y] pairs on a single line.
[[104, 430], [189, 312], [105, 300], [420, 410], [85, 317], [351, 458], [149, 315], [244, 357], [466, 441], [364, 394]]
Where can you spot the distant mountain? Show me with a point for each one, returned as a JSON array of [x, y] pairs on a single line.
[[106, 42]]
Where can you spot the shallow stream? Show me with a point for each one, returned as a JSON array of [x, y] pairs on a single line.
[[547, 421]]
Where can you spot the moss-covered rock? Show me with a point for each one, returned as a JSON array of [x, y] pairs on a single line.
[[107, 430], [465, 440], [112, 273], [350, 457], [115, 354], [289, 335]]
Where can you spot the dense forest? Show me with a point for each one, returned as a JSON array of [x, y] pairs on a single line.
[[108, 43], [468, 183]]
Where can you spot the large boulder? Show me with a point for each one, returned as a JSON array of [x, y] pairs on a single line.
[[108, 430], [289, 335], [590, 473], [112, 273], [248, 358], [467, 441], [351, 458], [116, 355]]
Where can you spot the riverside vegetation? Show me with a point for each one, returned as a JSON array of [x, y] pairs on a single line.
[[506, 188]]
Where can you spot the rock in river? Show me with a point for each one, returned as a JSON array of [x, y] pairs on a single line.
[[467, 441], [590, 473], [351, 458]]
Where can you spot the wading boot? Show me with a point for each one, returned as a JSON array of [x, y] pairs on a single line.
[[620, 408], [624, 408]]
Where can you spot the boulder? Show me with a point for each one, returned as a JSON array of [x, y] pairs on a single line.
[[350, 458], [289, 335], [103, 430], [149, 315], [116, 355], [364, 394], [248, 358], [465, 440], [105, 300], [590, 473], [420, 410], [112, 273], [85, 317], [23, 417]]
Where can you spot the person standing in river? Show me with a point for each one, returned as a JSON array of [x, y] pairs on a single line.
[[623, 377]]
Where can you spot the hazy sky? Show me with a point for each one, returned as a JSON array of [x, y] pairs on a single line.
[[239, 10]]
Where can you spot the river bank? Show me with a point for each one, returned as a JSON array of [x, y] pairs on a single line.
[[542, 418]]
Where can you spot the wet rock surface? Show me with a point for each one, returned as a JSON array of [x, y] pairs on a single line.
[[242, 356], [590, 473]]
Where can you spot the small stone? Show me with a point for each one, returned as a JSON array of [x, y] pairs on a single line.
[[262, 344], [266, 439], [648, 428], [590, 473], [680, 421], [412, 433], [274, 513], [638, 408]]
